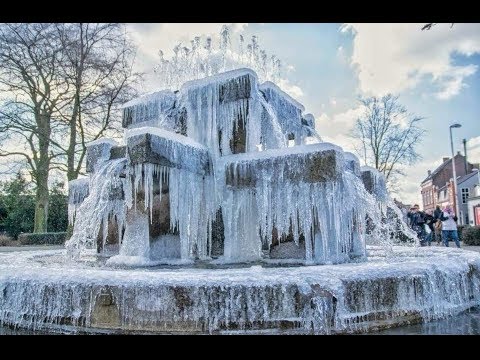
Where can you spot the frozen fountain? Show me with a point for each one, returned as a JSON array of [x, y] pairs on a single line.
[[206, 174], [206, 218]]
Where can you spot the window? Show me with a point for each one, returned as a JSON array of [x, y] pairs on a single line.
[[465, 194]]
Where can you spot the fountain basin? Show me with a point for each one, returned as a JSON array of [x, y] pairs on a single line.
[[42, 289]]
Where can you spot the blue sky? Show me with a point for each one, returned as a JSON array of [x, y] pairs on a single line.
[[436, 73]]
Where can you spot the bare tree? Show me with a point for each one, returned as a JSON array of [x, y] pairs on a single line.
[[32, 91], [61, 86], [388, 136], [98, 67]]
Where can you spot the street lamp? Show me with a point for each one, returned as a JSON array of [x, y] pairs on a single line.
[[455, 200]]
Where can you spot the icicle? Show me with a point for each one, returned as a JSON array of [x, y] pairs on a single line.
[[191, 204], [102, 203], [77, 192]]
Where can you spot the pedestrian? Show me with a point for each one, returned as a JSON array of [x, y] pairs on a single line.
[[438, 224], [429, 222], [449, 226], [417, 222]]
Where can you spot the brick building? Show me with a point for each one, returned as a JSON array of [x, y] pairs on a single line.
[[437, 188]]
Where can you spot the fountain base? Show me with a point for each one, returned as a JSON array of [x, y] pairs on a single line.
[[43, 290]]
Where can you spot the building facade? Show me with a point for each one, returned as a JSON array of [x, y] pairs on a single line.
[[437, 188], [467, 188]]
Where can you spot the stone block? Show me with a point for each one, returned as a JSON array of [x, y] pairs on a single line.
[[318, 165], [160, 220], [352, 163], [308, 120], [236, 88], [218, 234], [169, 152], [98, 151], [374, 182], [105, 313], [118, 152], [287, 110], [288, 250], [155, 109]]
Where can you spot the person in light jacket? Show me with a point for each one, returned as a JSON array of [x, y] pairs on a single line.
[[449, 226]]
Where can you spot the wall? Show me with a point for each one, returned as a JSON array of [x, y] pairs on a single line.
[[464, 208], [472, 203]]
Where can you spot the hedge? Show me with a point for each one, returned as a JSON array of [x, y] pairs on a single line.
[[42, 238], [471, 235], [460, 229]]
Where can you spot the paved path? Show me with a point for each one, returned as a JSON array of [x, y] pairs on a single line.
[[472, 248], [30, 247], [465, 247]]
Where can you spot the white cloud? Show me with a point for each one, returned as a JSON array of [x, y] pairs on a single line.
[[337, 128], [293, 90], [396, 57], [341, 55], [473, 150], [453, 83]]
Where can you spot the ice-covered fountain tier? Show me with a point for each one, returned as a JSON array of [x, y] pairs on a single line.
[[206, 179], [206, 172]]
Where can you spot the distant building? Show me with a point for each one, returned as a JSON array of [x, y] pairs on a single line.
[[467, 185], [437, 188], [473, 204]]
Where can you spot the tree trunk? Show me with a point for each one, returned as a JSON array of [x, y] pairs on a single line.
[[41, 176], [72, 174], [41, 205]]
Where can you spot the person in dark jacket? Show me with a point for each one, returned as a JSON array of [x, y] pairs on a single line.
[[417, 222], [429, 221], [438, 224]]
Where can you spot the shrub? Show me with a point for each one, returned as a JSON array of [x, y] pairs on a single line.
[[57, 210], [6, 240], [57, 238], [471, 235], [17, 207]]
